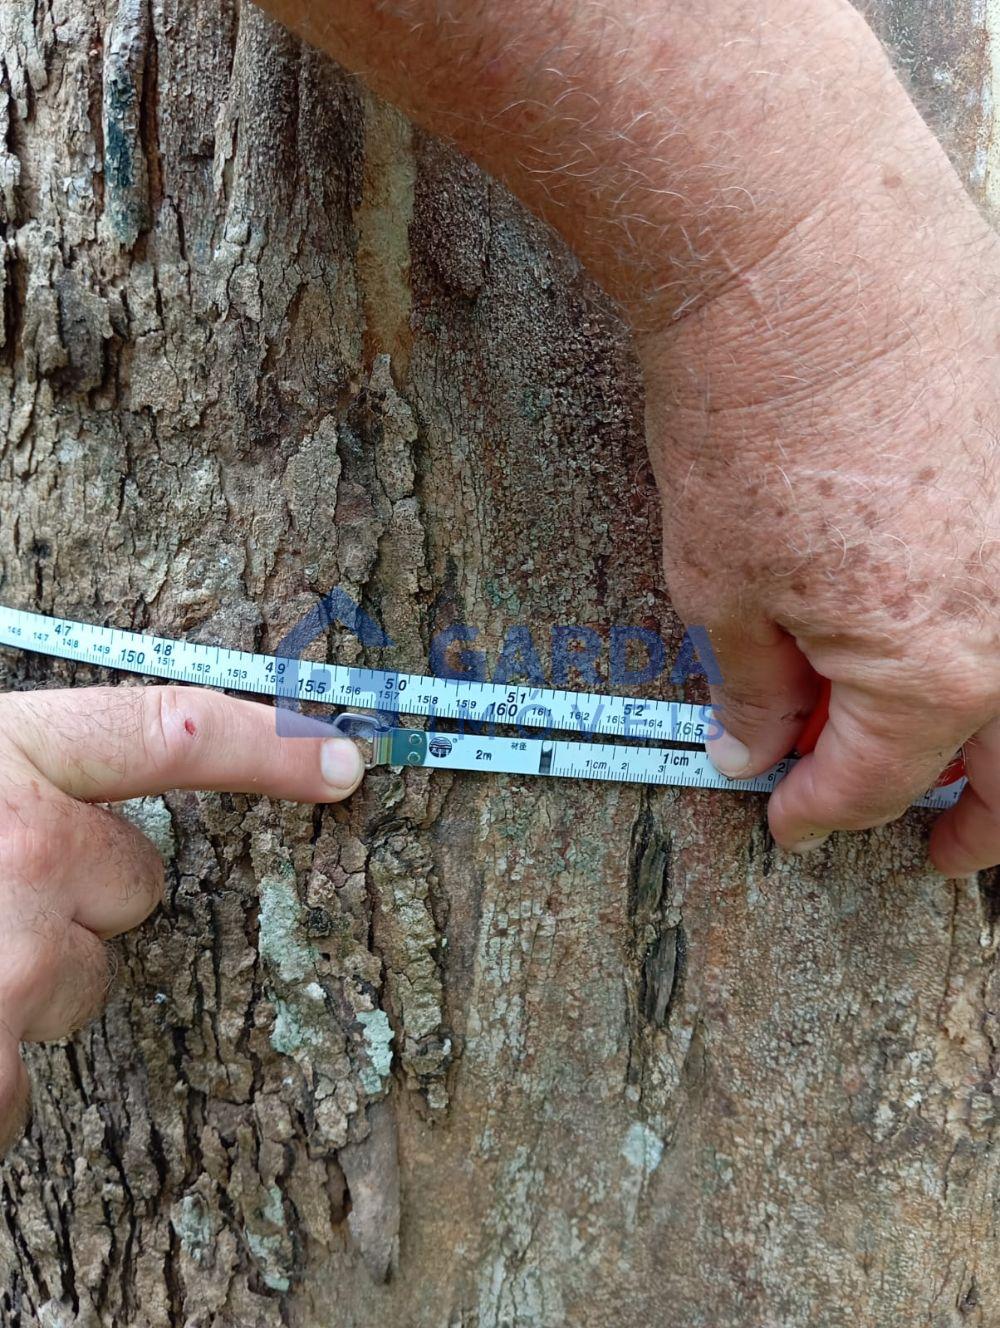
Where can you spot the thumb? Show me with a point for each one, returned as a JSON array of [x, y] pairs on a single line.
[[763, 690], [14, 1092], [873, 757]]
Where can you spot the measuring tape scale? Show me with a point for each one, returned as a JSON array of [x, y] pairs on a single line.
[[466, 701]]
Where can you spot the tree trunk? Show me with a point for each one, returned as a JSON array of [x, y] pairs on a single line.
[[472, 1052]]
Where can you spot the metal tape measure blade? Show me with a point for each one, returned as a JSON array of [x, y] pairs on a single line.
[[585, 713], [465, 701]]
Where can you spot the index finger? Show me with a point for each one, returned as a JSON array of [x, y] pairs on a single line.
[[106, 744]]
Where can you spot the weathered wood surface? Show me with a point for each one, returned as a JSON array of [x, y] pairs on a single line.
[[643, 1070]]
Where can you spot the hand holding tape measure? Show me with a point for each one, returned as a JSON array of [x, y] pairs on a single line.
[[806, 742]]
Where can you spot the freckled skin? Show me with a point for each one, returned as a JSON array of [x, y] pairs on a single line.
[[675, 147]]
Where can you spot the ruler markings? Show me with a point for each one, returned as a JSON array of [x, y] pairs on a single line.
[[415, 694], [506, 705]]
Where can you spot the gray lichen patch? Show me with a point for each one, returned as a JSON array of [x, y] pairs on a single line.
[[294, 1030], [282, 942], [270, 1241], [320, 1001], [378, 1037], [196, 1224], [642, 1148], [152, 817]]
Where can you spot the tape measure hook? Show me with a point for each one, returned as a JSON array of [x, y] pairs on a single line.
[[367, 728]]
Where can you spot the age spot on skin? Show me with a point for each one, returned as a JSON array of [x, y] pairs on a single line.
[[900, 607], [858, 556], [892, 180], [189, 727]]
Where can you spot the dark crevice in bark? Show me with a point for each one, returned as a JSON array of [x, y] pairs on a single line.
[[26, 1255], [761, 849], [149, 137], [663, 975], [15, 304], [989, 895], [172, 1284], [662, 947], [970, 1300]]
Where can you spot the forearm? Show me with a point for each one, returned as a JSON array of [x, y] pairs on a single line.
[[672, 149]]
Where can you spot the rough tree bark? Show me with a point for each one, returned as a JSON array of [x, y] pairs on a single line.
[[260, 340]]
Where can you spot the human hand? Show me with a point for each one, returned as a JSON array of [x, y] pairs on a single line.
[[825, 436], [810, 289], [72, 873]]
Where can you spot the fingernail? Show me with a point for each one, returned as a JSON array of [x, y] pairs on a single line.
[[808, 844], [729, 756], [340, 763]]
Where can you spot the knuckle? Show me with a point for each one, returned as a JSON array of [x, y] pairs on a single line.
[[747, 712], [146, 881], [151, 883], [861, 815], [687, 598], [969, 696], [56, 988], [849, 799], [969, 835], [945, 689], [861, 792], [138, 897], [131, 856], [962, 842], [168, 727]]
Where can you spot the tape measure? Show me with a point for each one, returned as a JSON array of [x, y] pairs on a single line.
[[478, 708]]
